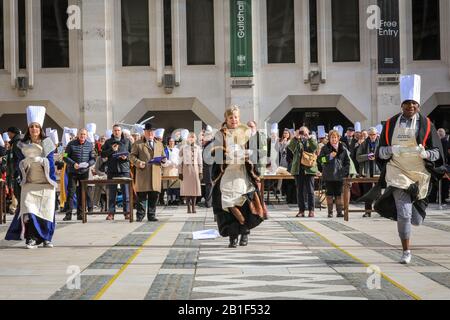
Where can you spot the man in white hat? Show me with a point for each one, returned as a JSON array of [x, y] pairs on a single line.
[[409, 152]]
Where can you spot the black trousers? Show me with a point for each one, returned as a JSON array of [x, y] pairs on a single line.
[[146, 203], [207, 194], [305, 191], [74, 185], [366, 187]]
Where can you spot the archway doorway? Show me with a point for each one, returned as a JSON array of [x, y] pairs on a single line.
[[313, 117], [19, 120], [441, 117], [172, 120]]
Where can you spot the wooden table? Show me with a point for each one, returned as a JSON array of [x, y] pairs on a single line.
[[280, 177], [346, 193], [3, 210], [85, 183]]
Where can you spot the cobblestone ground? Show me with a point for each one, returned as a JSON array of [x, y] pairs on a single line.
[[287, 258]]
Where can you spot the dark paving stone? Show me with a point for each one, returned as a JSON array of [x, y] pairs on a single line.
[[437, 226], [171, 287], [90, 285], [112, 259], [336, 226], [388, 291], [307, 239], [442, 278], [335, 258], [366, 240], [416, 261], [178, 259]]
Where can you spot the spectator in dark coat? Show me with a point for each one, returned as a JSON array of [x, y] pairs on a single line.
[[79, 157], [335, 163], [117, 151]]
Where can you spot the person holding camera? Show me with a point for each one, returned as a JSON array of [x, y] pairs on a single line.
[[304, 168]]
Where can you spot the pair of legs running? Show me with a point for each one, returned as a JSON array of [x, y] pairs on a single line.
[[244, 235]]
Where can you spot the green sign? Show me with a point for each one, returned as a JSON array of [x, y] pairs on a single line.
[[241, 38]]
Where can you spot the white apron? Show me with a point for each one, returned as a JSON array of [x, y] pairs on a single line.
[[407, 168]]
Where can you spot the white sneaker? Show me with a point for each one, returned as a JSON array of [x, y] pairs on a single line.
[[406, 257], [48, 244], [31, 244]]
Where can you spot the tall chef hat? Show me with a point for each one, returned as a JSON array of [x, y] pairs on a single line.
[[358, 127], [53, 135], [274, 128], [91, 127], [410, 86], [36, 114], [321, 132], [184, 134], [6, 137], [159, 133], [108, 133], [2, 142]]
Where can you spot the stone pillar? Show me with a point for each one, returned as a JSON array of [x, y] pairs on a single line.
[[97, 64]]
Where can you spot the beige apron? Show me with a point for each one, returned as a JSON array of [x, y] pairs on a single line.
[[407, 168]]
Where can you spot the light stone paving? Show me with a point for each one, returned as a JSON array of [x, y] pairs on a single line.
[[287, 258]]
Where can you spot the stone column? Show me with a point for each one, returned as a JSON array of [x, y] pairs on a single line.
[[97, 64]]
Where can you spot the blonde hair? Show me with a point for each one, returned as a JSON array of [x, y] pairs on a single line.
[[231, 110], [334, 132]]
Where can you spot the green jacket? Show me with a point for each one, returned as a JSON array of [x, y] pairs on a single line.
[[296, 148]]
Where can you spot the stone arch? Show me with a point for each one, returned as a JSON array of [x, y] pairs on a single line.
[[316, 101]]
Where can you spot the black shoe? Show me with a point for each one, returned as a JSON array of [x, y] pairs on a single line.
[[366, 215], [139, 218], [244, 240], [233, 242], [79, 217], [339, 215], [152, 219], [68, 217]]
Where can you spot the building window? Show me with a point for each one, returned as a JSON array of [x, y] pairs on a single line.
[[280, 31], [135, 33], [313, 47], [200, 32], [2, 37], [345, 25], [426, 30], [55, 35], [22, 35], [168, 33]]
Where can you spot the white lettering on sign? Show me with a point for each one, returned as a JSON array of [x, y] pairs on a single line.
[[387, 28], [374, 19], [241, 19], [74, 19]]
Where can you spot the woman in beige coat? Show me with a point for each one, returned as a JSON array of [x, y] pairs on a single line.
[[190, 172]]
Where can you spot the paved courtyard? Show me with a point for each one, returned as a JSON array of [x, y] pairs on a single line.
[[287, 258]]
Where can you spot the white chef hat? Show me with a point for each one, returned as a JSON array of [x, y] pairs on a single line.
[[209, 129], [138, 128], [410, 86], [159, 133], [126, 132], [65, 139], [184, 134], [358, 127], [108, 134], [339, 129], [96, 137], [6, 137], [274, 128], [48, 131], [2, 142], [379, 128], [91, 127], [90, 137], [53, 135], [35, 114], [321, 132]]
